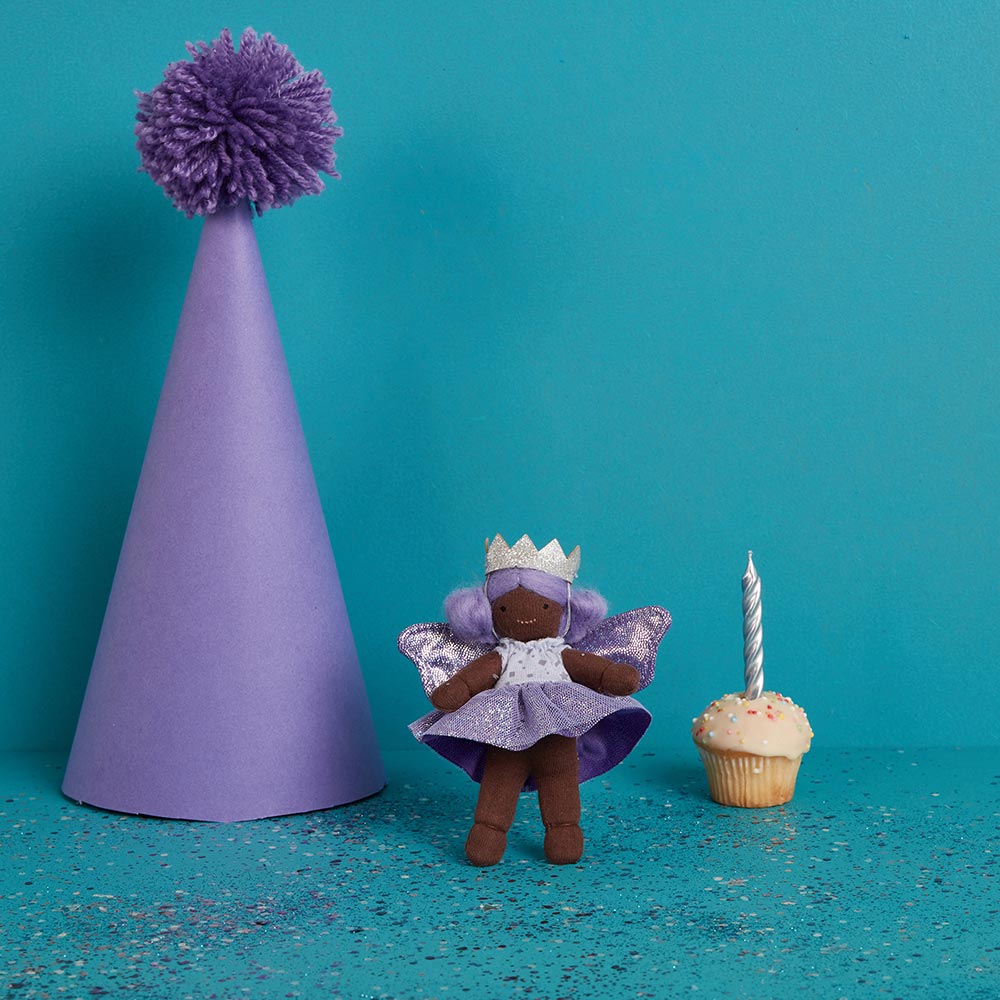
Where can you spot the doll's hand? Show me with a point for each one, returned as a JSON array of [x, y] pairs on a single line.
[[475, 677], [619, 679], [451, 695]]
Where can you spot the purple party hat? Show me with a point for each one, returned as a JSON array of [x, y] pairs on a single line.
[[226, 684]]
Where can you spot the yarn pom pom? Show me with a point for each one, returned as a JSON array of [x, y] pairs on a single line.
[[236, 125]]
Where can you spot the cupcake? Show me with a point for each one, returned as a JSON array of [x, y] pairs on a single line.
[[752, 748]]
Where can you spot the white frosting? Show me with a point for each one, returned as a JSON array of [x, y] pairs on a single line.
[[769, 726]]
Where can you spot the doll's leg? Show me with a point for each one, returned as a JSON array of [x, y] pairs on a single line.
[[556, 768], [503, 776]]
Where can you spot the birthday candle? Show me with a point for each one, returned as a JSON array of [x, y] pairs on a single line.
[[753, 646]]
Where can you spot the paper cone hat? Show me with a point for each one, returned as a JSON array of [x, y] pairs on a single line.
[[226, 685]]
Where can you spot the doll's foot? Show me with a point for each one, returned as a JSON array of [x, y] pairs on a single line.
[[485, 844], [563, 843]]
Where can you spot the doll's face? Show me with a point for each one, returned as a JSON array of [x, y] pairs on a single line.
[[524, 615]]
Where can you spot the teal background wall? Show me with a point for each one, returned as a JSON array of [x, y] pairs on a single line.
[[670, 281]]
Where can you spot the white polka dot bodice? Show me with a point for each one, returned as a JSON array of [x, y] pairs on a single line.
[[535, 662]]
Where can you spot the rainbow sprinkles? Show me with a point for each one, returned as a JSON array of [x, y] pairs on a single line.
[[769, 726]]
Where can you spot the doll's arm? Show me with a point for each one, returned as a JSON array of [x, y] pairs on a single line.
[[479, 675], [600, 673]]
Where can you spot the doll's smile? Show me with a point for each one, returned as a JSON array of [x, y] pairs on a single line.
[[523, 615]]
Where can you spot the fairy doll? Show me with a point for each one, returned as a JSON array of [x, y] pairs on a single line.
[[530, 684]]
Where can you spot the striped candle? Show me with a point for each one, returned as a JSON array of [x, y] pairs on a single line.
[[753, 645]]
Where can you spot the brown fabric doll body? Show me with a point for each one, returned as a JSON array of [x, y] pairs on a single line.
[[531, 684], [525, 616]]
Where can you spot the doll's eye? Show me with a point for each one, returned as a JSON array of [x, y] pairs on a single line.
[[503, 607], [545, 607]]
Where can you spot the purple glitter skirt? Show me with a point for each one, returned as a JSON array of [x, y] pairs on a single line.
[[516, 716]]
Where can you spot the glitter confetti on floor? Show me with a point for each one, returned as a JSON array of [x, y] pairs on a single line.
[[879, 879]]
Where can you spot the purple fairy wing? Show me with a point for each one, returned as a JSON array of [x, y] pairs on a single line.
[[631, 637], [436, 653]]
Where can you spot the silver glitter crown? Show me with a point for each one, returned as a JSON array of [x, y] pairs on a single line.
[[524, 555]]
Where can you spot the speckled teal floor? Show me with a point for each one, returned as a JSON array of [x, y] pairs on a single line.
[[879, 879]]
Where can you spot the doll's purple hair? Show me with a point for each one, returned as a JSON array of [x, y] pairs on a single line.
[[471, 618]]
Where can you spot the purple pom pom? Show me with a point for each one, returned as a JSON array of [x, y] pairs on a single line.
[[232, 126]]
